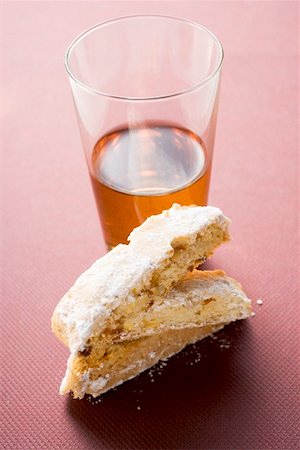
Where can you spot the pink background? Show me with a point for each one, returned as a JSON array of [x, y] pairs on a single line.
[[242, 397]]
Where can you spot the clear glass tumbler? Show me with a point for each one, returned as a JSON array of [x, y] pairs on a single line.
[[146, 95]]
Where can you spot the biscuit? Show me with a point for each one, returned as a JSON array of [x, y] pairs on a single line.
[[197, 306], [128, 359], [127, 280]]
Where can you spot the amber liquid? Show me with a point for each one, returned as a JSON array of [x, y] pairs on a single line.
[[139, 172]]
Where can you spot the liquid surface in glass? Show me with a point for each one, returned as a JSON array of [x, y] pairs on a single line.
[[141, 171]]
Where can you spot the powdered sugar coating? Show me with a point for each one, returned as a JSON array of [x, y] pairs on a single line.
[[126, 270]]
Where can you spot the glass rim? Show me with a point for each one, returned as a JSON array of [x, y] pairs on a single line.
[[147, 98]]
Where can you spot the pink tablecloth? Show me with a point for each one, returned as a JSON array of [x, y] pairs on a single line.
[[242, 393]]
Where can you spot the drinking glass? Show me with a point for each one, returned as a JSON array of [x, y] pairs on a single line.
[[146, 91]]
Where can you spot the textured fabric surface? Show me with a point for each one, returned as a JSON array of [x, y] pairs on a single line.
[[237, 391]]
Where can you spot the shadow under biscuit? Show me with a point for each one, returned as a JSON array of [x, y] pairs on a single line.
[[172, 405]]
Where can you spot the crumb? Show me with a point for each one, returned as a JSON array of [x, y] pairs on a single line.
[[138, 407], [224, 345], [94, 401], [253, 314], [259, 302]]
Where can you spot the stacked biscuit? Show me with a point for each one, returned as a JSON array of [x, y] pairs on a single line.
[[144, 302]]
